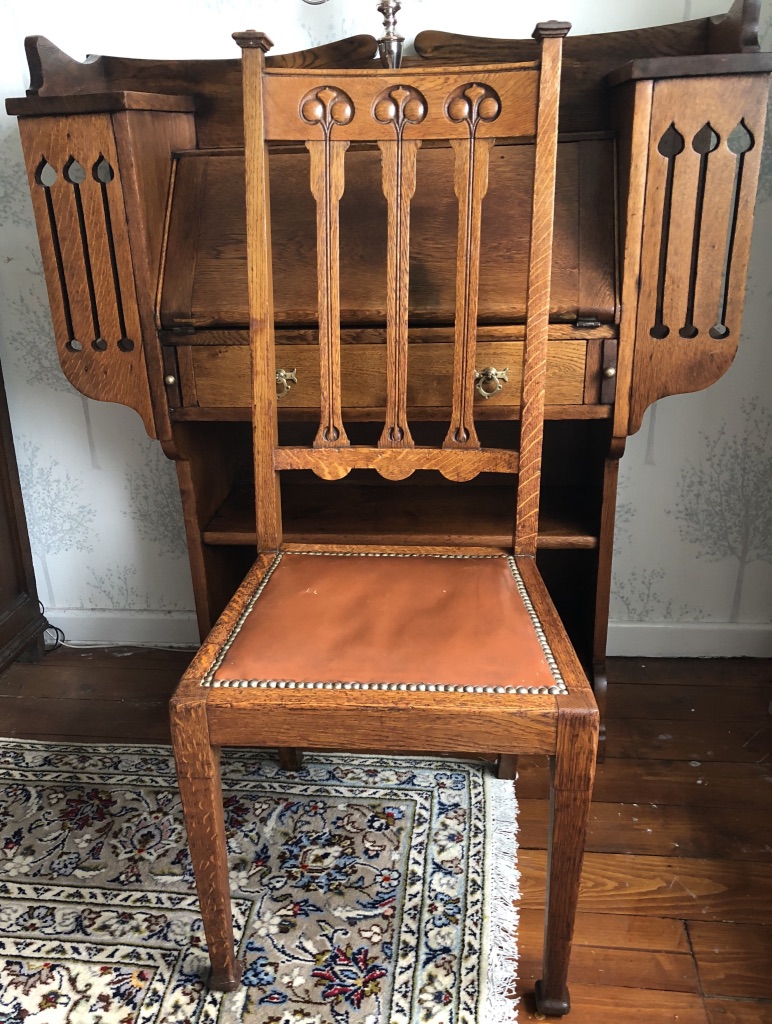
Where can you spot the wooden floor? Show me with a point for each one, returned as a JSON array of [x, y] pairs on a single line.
[[675, 920]]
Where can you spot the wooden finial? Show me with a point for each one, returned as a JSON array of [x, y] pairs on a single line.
[[251, 40], [551, 30]]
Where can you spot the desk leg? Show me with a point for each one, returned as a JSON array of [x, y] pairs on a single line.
[[603, 594]]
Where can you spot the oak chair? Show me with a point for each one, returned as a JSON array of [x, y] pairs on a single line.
[[403, 649]]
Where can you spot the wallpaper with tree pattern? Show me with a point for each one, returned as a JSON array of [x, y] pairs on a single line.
[[694, 529]]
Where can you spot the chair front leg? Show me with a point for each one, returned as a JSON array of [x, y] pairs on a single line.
[[198, 775], [573, 771]]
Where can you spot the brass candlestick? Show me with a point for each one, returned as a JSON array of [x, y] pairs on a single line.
[[390, 43]]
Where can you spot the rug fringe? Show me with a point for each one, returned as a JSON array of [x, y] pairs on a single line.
[[499, 1002]]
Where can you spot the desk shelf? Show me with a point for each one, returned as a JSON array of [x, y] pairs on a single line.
[[420, 514]]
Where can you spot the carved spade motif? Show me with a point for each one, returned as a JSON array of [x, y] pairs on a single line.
[[102, 171], [400, 106], [74, 172], [740, 139], [45, 175], [327, 107], [473, 103]]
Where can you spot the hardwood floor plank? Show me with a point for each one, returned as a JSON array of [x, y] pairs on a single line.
[[98, 658], [733, 959], [57, 718], [688, 702], [737, 1011], [618, 931], [661, 830], [110, 684], [746, 740], [708, 890], [621, 968], [10, 686], [605, 1004], [86, 740], [124, 674], [618, 951], [690, 671], [689, 783]]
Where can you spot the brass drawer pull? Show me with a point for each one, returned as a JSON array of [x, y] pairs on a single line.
[[284, 381], [488, 381]]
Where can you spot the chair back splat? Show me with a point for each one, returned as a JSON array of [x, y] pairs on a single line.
[[471, 109]]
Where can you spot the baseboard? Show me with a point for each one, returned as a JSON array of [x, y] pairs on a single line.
[[690, 639], [625, 639], [125, 627]]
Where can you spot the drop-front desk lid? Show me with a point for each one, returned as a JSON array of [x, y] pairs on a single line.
[[204, 275]]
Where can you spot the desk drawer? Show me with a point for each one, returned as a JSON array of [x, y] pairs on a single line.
[[221, 375]]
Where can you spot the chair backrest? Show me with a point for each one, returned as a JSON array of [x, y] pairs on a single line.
[[470, 108]]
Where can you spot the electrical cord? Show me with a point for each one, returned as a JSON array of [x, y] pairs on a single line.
[[59, 639], [50, 644]]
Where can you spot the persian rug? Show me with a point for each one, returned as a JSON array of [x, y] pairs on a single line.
[[366, 890]]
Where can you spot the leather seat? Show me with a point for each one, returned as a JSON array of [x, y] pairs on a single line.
[[389, 621]]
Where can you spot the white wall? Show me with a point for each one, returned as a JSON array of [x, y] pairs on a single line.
[[102, 502]]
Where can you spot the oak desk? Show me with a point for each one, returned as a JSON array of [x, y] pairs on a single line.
[[136, 174]]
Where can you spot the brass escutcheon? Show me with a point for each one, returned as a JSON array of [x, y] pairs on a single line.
[[488, 382], [284, 381]]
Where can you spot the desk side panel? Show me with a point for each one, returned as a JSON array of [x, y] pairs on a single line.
[[77, 197], [703, 152], [80, 205]]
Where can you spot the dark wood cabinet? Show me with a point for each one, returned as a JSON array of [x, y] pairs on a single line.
[[21, 620]]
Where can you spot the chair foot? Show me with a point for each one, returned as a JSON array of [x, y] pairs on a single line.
[[551, 1007], [225, 980]]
